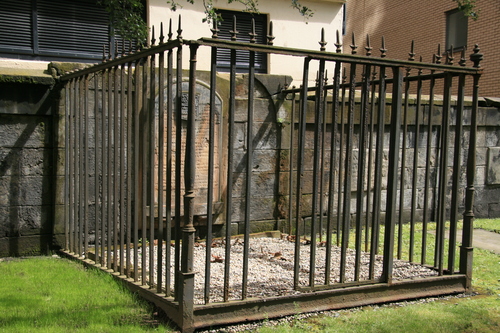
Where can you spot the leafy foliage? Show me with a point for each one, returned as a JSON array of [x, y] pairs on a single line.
[[126, 19], [468, 7]]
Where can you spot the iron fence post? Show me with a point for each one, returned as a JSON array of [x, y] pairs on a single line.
[[187, 274]]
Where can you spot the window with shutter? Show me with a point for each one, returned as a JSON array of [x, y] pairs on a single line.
[[244, 27], [54, 30]]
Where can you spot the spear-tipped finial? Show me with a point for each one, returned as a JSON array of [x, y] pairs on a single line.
[[153, 40], [215, 30], [170, 34], [438, 55], [270, 37], [130, 51], [449, 56], [476, 57], [412, 51], [368, 47], [337, 43], [179, 29], [162, 37], [322, 42], [383, 50], [234, 32], [353, 45], [253, 34], [462, 61]]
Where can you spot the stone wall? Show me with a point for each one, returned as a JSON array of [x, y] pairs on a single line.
[[27, 166], [32, 160]]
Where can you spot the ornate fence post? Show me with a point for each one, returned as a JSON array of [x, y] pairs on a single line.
[[187, 274], [466, 250]]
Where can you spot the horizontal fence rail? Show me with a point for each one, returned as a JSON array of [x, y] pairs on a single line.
[[162, 171]]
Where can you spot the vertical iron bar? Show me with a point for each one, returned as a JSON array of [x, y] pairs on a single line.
[[144, 172], [365, 98], [86, 169], [426, 212], [168, 162], [123, 215], [392, 174], [67, 178], [211, 162], [104, 172], [161, 167], [415, 169], [300, 171], [443, 181], [129, 160], [152, 176], [97, 147], [178, 170], [370, 193], [109, 154], [290, 165], [348, 173], [70, 163], [466, 250], [116, 169], [341, 158], [187, 299], [457, 171], [316, 168], [331, 187], [249, 167], [137, 157], [377, 190], [230, 152], [402, 182], [79, 167]]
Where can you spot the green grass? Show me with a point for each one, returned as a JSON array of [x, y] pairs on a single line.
[[47, 294], [480, 314]]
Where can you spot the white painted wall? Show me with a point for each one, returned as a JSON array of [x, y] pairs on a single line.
[[289, 27]]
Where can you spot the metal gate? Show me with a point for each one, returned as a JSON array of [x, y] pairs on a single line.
[[380, 152]]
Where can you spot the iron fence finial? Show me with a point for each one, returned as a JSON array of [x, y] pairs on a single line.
[[322, 42], [462, 61], [368, 47], [476, 57], [253, 34], [179, 29], [215, 30], [153, 40], [270, 37], [338, 45], [412, 51], [353, 45], [234, 32], [162, 37], [438, 55], [170, 34], [383, 50]]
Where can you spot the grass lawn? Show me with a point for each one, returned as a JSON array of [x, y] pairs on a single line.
[[47, 294]]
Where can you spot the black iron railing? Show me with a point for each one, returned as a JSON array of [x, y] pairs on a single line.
[[378, 146]]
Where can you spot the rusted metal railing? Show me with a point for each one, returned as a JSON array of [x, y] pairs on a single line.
[[371, 152]]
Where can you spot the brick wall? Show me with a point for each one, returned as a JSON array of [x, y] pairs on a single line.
[[400, 21]]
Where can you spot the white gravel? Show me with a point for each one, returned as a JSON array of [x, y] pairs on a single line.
[[270, 266]]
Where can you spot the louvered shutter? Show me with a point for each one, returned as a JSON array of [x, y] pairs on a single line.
[[72, 28], [244, 27], [15, 26], [55, 29]]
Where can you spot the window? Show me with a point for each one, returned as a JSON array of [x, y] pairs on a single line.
[[244, 27], [54, 29], [456, 29]]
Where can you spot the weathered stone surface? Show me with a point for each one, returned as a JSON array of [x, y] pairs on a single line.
[[493, 166]]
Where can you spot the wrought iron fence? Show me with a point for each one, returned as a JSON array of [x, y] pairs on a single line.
[[380, 145]]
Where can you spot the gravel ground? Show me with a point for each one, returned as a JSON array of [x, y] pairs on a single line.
[[270, 268]]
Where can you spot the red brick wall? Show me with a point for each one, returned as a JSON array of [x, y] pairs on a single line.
[[400, 21]]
